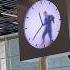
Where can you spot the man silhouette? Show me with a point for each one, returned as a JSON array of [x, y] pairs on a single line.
[[48, 29]]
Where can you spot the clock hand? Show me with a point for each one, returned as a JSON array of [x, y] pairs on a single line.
[[37, 32], [39, 28], [40, 18]]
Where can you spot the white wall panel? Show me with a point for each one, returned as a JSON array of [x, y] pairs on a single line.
[[2, 56]]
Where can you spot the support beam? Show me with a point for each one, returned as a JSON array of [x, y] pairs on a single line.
[[43, 64]]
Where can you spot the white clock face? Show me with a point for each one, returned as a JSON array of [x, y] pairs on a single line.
[[34, 26]]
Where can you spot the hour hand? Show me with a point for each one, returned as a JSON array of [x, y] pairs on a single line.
[[40, 18], [37, 32]]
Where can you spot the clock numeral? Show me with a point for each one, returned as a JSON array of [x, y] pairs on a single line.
[[27, 17], [36, 44], [41, 2], [25, 28], [44, 45], [32, 8], [49, 3], [29, 38], [60, 19], [58, 30], [56, 9]]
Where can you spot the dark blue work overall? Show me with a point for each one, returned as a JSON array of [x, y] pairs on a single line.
[[48, 29]]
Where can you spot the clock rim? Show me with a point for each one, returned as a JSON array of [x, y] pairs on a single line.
[[24, 24]]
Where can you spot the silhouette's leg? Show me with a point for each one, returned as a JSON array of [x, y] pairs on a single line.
[[50, 35], [44, 34], [50, 32]]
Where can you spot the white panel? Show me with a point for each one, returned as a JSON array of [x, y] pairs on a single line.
[[3, 64], [2, 56], [2, 49]]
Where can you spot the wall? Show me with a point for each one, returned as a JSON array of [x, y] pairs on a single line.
[[55, 62], [2, 56], [10, 58], [68, 9]]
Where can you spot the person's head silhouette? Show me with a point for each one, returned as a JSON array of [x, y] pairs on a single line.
[[45, 13]]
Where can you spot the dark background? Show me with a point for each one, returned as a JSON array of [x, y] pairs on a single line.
[[60, 45]]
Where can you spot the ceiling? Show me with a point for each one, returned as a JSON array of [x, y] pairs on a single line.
[[8, 17]]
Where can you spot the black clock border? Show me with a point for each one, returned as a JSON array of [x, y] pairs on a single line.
[[60, 45]]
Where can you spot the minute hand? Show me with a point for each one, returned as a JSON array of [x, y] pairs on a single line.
[[40, 18]]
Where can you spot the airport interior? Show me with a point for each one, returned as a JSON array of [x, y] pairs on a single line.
[[9, 43]]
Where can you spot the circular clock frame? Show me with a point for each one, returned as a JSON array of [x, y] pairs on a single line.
[[32, 23]]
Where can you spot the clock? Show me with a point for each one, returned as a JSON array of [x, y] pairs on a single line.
[[36, 33], [43, 28]]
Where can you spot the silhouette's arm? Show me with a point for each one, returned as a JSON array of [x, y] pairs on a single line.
[[52, 18]]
